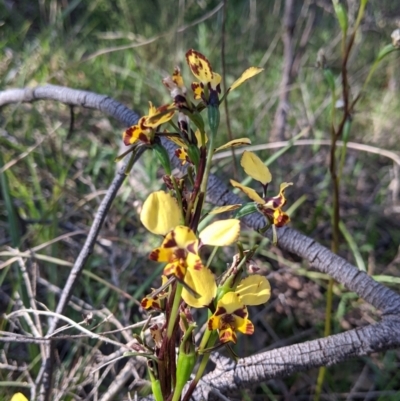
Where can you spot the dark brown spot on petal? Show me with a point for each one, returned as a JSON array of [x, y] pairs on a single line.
[[228, 319], [144, 138], [180, 253], [169, 269], [141, 123], [128, 135], [282, 219], [171, 242], [198, 265], [220, 311], [154, 255], [241, 312], [145, 303], [180, 272]]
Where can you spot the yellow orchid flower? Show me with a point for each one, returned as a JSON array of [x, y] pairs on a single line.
[[180, 250], [181, 153], [155, 299], [270, 207], [231, 313], [208, 88], [230, 316], [175, 84], [144, 130]]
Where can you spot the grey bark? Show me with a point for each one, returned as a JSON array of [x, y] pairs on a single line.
[[229, 378]]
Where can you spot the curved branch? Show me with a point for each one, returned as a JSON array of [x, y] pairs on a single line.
[[71, 97], [285, 360]]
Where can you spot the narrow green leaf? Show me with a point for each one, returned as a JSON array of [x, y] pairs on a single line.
[[11, 214], [385, 51], [330, 79], [246, 209], [163, 157], [341, 16]]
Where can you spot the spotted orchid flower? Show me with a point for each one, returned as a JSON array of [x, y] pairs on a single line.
[[144, 130], [231, 314], [209, 86], [270, 207], [180, 248]]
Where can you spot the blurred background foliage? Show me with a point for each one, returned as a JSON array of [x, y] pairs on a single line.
[[123, 49]]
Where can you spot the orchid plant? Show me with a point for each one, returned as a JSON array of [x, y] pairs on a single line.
[[175, 214]]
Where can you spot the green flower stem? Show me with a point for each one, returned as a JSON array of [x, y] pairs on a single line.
[[213, 120], [205, 342], [155, 386], [210, 154], [178, 196], [174, 310], [382, 54], [212, 256], [341, 132], [193, 204], [186, 362], [360, 15]]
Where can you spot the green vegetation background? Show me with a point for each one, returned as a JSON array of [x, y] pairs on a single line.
[[123, 49]]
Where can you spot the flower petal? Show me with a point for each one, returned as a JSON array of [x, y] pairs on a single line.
[[254, 290], [279, 200], [244, 325], [186, 239], [162, 254], [137, 132], [250, 72], [235, 142], [229, 303], [182, 155], [201, 69], [198, 137], [18, 397], [177, 140], [160, 213], [223, 209], [150, 303], [255, 168], [227, 334], [203, 283], [175, 84], [253, 195], [197, 90], [193, 261], [177, 268], [221, 233], [160, 115], [280, 218]]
